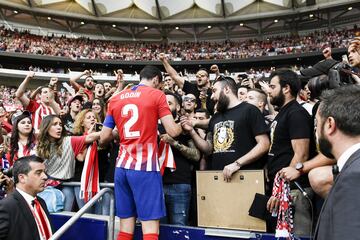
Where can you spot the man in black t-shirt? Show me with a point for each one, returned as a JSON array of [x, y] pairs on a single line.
[[290, 134], [237, 136], [177, 184], [201, 90], [189, 105]]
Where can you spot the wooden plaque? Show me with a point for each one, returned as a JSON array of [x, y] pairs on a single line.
[[224, 204]]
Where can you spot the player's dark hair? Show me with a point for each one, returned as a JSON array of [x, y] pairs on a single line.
[[149, 72]]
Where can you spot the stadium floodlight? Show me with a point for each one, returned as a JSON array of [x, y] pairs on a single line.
[[177, 28], [16, 12], [49, 18], [241, 24], [350, 8], [113, 25], [82, 23], [275, 21], [146, 27], [311, 15], [209, 26]]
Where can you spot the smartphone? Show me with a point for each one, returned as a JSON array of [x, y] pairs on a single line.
[[98, 127], [345, 58]]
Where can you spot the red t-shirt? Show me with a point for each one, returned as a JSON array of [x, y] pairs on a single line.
[[78, 144], [38, 112]]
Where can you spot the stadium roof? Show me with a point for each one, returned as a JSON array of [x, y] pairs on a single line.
[[176, 19], [158, 9]]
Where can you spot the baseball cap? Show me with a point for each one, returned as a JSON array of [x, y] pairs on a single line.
[[19, 115], [319, 68], [79, 97]]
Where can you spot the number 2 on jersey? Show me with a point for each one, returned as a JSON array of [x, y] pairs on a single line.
[[132, 110]]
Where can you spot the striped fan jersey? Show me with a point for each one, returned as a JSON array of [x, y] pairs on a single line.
[[135, 112], [22, 152], [38, 112]]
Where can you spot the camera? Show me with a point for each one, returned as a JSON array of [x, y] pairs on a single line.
[[98, 127], [340, 75], [8, 173]]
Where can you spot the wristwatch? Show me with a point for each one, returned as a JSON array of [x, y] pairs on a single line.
[[238, 164], [299, 166]]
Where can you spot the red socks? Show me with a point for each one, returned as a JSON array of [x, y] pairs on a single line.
[[124, 236], [129, 236], [151, 236]]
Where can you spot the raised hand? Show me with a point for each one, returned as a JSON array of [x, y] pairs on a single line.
[[327, 53], [53, 81], [264, 86], [31, 74], [87, 72], [162, 57], [214, 68], [119, 75]]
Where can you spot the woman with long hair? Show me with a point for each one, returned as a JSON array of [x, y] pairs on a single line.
[[59, 150], [22, 141], [83, 125], [98, 106]]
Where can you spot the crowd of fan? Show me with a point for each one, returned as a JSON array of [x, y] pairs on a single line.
[[89, 102], [84, 48], [78, 114]]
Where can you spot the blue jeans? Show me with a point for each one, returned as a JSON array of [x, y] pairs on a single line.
[[102, 207], [71, 193], [177, 201]]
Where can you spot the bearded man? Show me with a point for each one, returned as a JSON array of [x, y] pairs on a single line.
[[291, 144], [237, 134]]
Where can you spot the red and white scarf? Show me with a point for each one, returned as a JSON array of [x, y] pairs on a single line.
[[281, 190], [89, 184], [166, 157]]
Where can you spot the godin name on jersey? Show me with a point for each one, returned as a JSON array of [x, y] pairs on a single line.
[[130, 95]]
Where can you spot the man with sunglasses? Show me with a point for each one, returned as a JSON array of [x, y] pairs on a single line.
[[200, 89], [189, 105]]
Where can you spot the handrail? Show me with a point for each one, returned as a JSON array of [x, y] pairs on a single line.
[[229, 233], [73, 184], [88, 205]]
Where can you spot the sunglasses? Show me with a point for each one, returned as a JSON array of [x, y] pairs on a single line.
[[201, 75], [188, 99]]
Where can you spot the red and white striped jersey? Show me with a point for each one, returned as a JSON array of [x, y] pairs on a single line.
[[38, 112], [22, 152], [25, 150], [135, 112]]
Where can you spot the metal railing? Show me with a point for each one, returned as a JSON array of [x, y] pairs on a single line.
[[81, 212], [102, 184]]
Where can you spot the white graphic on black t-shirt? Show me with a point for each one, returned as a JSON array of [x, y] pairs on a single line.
[[272, 131], [223, 136]]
